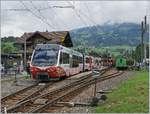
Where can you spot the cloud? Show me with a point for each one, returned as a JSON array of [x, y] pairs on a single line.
[[86, 13]]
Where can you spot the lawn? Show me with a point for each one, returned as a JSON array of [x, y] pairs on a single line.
[[131, 96]]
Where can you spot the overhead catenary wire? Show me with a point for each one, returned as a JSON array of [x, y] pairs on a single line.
[[51, 25], [84, 16], [89, 18], [60, 20], [35, 14], [78, 15], [89, 12]]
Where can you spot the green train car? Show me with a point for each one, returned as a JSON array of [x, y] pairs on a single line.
[[121, 63]]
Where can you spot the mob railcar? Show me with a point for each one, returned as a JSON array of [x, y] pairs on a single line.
[[121, 63], [53, 61]]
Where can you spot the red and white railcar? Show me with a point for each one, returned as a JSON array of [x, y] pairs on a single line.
[[88, 64], [53, 61], [97, 62]]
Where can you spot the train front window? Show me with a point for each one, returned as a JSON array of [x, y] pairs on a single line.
[[45, 58]]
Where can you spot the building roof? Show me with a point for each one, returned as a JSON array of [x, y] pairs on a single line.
[[55, 36]]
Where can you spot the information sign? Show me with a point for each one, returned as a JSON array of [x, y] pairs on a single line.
[[95, 73]]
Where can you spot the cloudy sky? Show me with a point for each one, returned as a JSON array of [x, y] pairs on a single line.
[[18, 17]]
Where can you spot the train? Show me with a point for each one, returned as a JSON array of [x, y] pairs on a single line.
[[53, 61], [121, 63]]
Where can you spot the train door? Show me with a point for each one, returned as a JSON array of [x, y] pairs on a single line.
[[65, 62], [75, 64], [70, 61]]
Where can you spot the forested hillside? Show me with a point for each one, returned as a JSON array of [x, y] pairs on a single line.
[[105, 39], [108, 35]]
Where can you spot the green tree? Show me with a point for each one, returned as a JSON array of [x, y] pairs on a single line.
[[137, 53], [8, 47]]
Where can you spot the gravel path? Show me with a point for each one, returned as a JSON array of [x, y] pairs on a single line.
[[9, 87], [87, 94]]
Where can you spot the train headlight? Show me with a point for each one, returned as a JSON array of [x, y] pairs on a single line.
[[34, 69], [48, 70]]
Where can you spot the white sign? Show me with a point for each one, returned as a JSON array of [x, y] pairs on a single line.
[[95, 73]]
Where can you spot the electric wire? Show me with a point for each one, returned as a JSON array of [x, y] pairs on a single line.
[[60, 20], [34, 13], [51, 25]]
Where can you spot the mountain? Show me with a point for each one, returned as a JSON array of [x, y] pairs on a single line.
[[108, 35]]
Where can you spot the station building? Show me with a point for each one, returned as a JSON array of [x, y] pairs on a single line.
[[31, 39]]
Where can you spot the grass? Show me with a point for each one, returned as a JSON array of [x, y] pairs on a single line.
[[130, 97]]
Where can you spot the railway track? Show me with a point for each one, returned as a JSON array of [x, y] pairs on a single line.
[[52, 97], [50, 106], [20, 96], [40, 93], [26, 94]]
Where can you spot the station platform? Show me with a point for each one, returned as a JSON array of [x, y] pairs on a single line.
[[77, 76]]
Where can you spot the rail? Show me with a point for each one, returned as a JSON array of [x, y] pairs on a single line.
[[31, 107]]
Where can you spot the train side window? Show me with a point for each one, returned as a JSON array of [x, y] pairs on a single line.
[[80, 59], [87, 60], [75, 61], [64, 58]]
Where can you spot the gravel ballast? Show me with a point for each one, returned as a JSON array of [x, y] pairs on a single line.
[[88, 93], [8, 87]]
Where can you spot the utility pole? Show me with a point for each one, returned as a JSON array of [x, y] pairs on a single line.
[[145, 29], [25, 50], [143, 46], [142, 34]]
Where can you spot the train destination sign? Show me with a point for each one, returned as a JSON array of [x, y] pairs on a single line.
[[47, 46]]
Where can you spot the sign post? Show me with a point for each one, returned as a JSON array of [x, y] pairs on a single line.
[[15, 69], [95, 75]]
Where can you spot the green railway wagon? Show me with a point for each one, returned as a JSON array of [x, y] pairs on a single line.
[[121, 63]]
